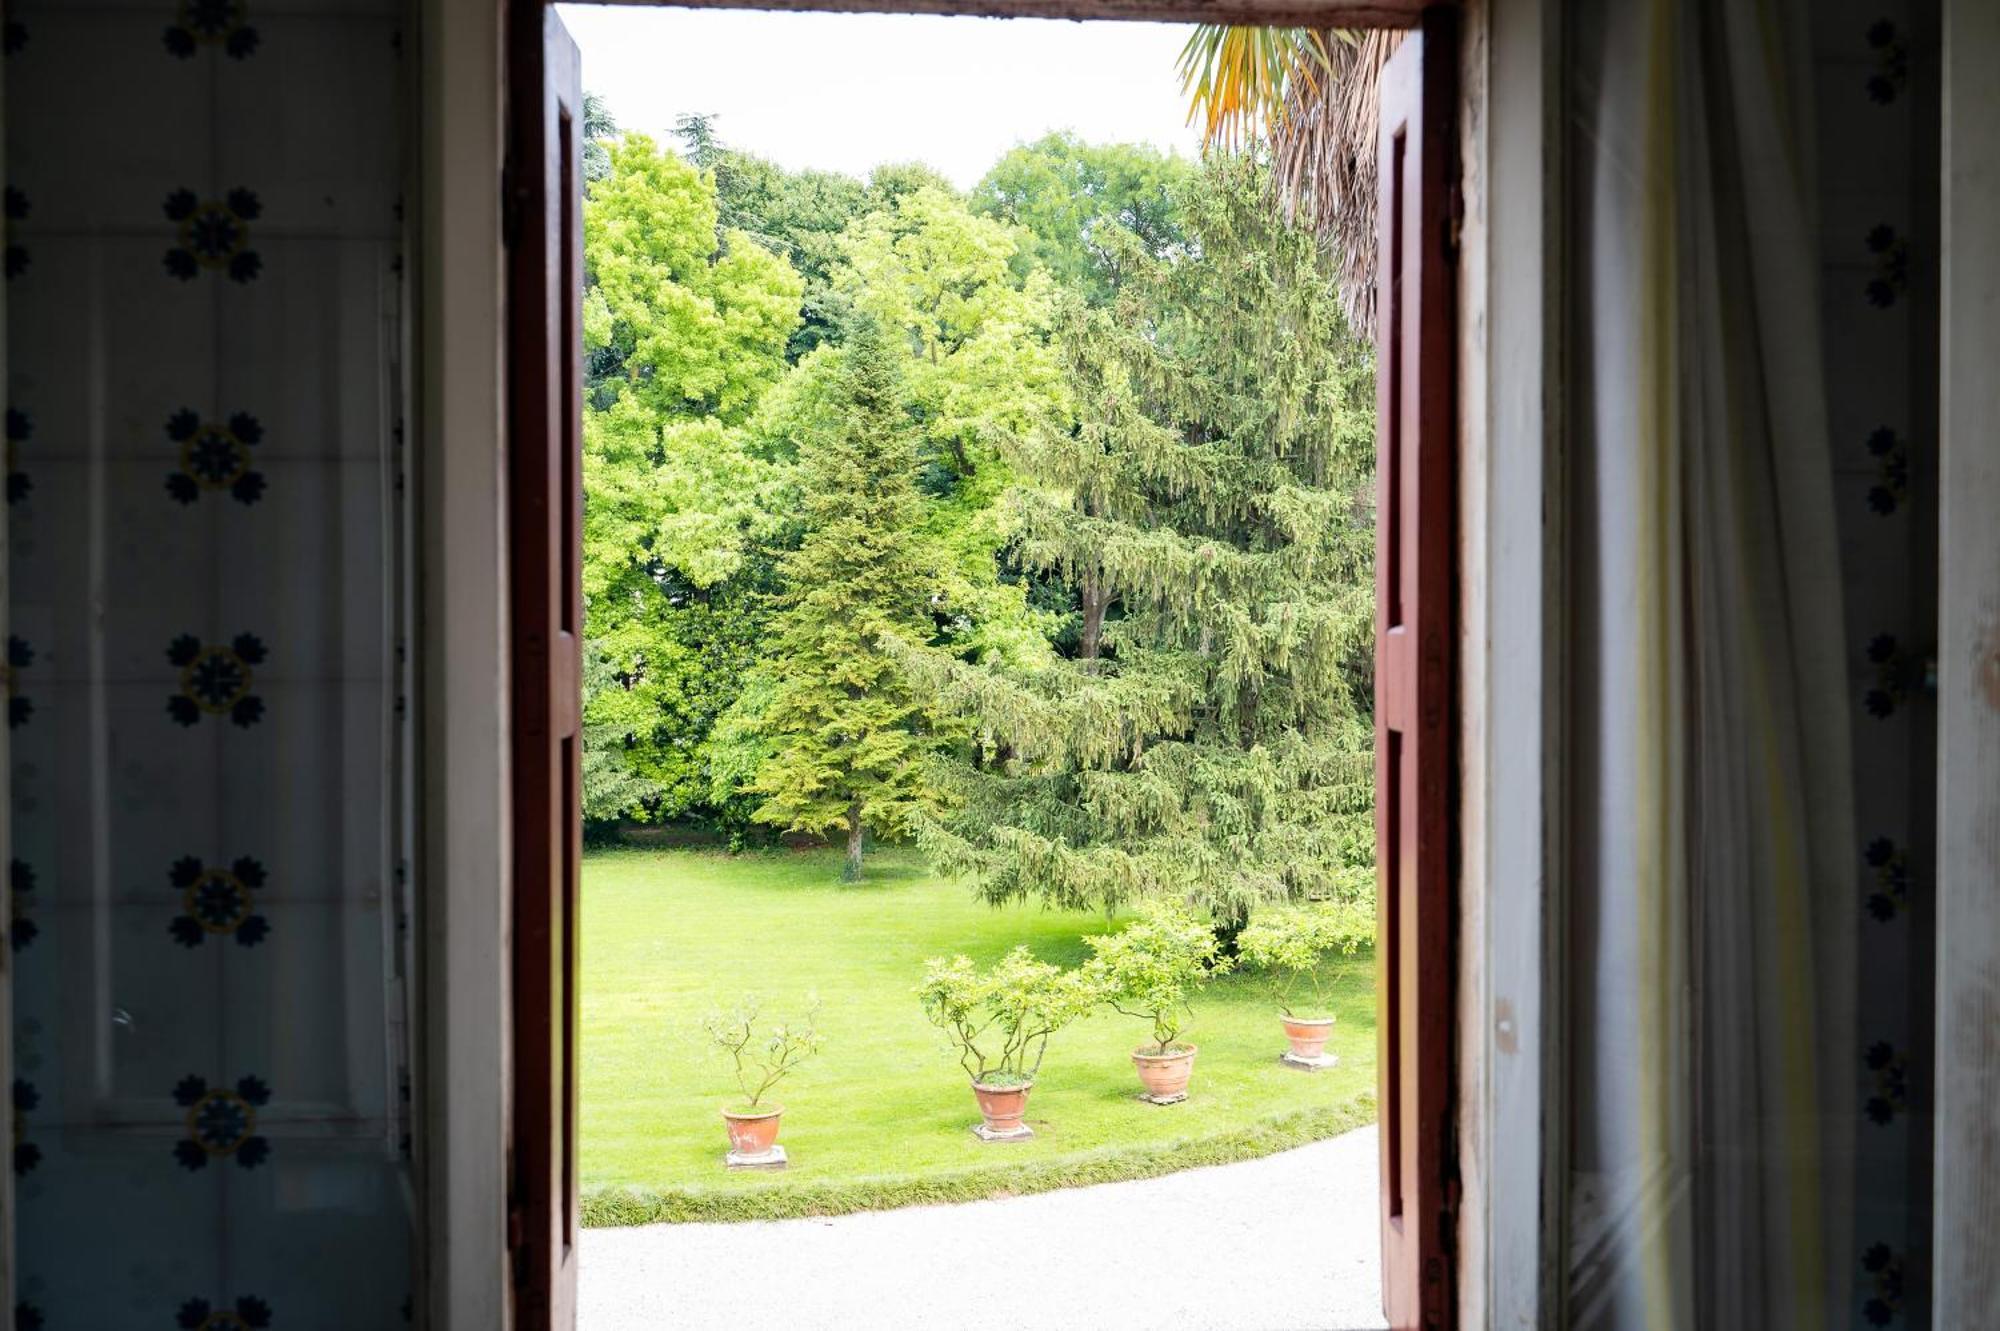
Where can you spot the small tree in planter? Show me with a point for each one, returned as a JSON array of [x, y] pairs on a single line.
[[999, 1021], [760, 1065], [1292, 947], [1148, 970]]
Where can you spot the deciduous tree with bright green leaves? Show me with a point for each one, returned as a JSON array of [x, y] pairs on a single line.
[[687, 329], [849, 742], [1070, 197]]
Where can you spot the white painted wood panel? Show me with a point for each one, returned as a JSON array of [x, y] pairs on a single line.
[[1967, 1223]]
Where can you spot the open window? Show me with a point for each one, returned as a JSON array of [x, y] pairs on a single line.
[[1415, 679]]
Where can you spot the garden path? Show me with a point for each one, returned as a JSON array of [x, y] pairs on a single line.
[[1285, 1242]]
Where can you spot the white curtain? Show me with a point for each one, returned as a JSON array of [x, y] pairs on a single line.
[[1711, 936]]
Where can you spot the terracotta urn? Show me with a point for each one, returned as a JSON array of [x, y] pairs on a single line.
[[753, 1132], [1003, 1108], [1165, 1076], [1308, 1036]]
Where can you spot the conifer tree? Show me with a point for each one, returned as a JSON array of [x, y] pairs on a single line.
[[1203, 732], [849, 741]]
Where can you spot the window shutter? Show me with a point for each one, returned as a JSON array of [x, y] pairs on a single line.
[[544, 222], [1414, 674]]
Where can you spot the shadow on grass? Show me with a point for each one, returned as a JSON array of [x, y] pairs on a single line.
[[780, 1200]]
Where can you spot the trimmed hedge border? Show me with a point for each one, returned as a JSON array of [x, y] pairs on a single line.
[[783, 1200]]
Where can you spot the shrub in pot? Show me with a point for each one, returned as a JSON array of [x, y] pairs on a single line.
[[999, 1022], [1293, 948], [761, 1062], [1148, 970]]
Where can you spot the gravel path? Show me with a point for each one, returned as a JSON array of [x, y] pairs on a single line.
[[1285, 1243]]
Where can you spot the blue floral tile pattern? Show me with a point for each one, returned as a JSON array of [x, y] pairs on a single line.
[[21, 927], [215, 457], [19, 428], [213, 234], [217, 901], [20, 655], [15, 205], [1892, 878], [1892, 62], [211, 23], [221, 1122], [1895, 672], [1892, 266], [26, 1154], [1892, 1083], [1892, 471], [216, 681], [248, 1313], [1885, 1281]]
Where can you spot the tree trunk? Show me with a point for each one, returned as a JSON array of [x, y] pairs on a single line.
[[1095, 602], [852, 874]]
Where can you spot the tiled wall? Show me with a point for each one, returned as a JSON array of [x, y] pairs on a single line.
[[205, 664], [1878, 109]]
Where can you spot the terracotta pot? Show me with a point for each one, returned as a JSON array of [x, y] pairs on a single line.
[[1165, 1076], [1308, 1035], [1003, 1107], [752, 1131]]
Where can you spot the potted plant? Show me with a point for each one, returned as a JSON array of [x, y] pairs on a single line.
[[999, 1021], [760, 1065], [1148, 970], [1292, 947]]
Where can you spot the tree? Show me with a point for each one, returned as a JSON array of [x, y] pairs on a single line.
[[694, 321], [599, 126], [1068, 194], [1210, 507], [1311, 96], [797, 214], [849, 741], [687, 328], [971, 335]]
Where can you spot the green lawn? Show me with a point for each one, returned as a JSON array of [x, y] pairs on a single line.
[[883, 1116]]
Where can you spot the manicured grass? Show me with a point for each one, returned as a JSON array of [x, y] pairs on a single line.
[[883, 1116]]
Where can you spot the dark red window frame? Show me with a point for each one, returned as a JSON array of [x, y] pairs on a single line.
[[1415, 669], [542, 217], [1415, 675]]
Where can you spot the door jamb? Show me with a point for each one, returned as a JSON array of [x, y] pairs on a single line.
[[1508, 441]]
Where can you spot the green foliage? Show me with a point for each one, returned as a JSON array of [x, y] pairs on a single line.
[[1208, 505], [978, 373], [762, 1064], [687, 324], [598, 126], [679, 515], [1075, 588], [848, 739], [797, 214], [1000, 1019], [1070, 195], [1293, 947], [1150, 968]]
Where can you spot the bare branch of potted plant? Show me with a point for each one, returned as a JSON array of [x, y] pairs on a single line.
[[761, 1063], [999, 1022], [1292, 947], [1148, 970]]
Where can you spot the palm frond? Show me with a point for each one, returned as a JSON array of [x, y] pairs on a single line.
[[1311, 94]]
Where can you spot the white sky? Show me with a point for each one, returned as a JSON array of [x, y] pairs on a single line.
[[845, 92]]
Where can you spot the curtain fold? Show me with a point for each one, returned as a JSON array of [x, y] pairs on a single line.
[[1711, 935]]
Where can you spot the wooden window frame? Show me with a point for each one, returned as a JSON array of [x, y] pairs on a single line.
[[457, 1237]]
